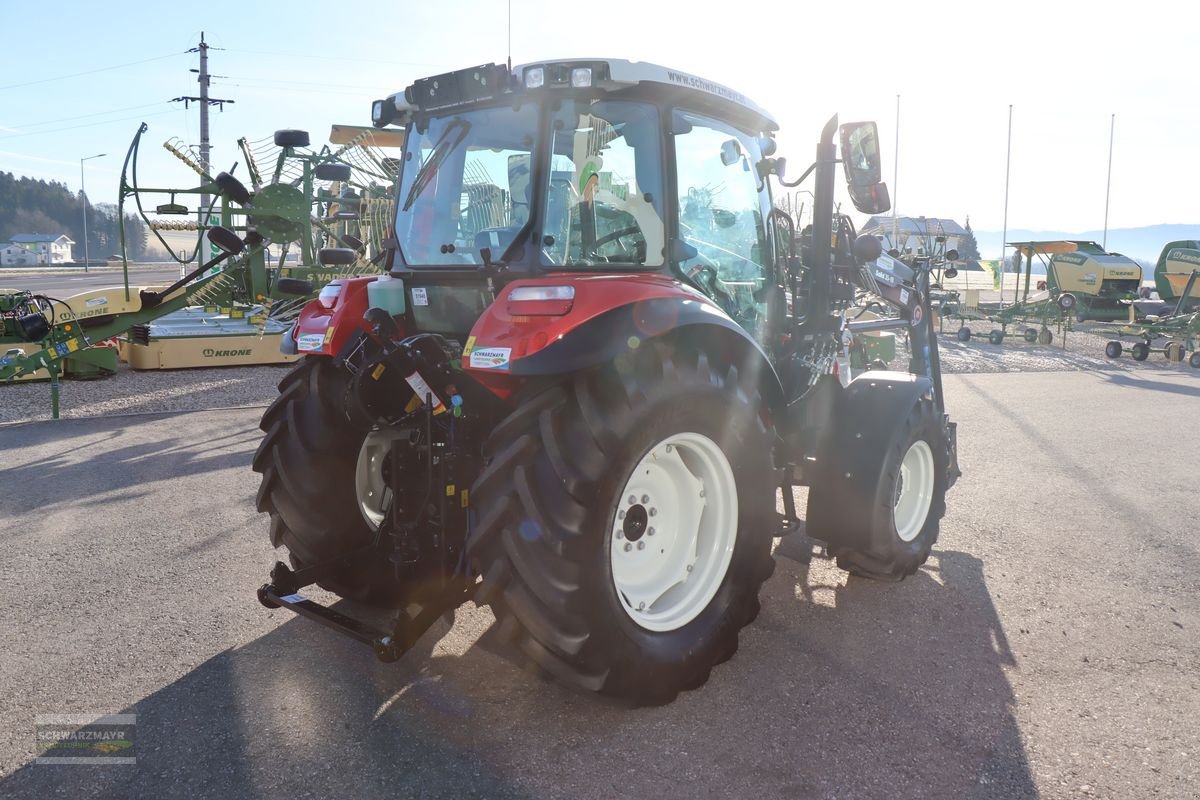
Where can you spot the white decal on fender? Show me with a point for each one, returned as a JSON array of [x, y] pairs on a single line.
[[310, 342], [490, 357]]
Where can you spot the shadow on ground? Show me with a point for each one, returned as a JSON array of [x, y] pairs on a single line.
[[840, 689]]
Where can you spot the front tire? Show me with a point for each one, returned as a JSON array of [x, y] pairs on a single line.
[[554, 519], [885, 526]]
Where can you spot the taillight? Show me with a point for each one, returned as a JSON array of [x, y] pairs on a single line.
[[541, 301], [329, 295]]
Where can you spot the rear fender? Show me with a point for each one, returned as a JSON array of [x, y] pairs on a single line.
[[609, 320], [323, 331]]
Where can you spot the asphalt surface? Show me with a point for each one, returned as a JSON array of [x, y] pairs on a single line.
[[1049, 648], [64, 285]]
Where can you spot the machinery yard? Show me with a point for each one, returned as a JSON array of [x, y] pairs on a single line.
[[1048, 648], [580, 428]]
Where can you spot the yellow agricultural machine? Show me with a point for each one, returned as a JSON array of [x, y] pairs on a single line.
[[1083, 282]]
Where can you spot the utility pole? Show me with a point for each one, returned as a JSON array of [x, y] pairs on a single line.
[[1004, 236], [1112, 126], [83, 191], [205, 102], [896, 176]]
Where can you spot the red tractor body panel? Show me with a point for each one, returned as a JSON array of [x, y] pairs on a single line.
[[509, 330], [323, 331]]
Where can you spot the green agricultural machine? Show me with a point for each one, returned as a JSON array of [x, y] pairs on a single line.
[[1083, 282], [238, 298], [1176, 263], [1180, 328]]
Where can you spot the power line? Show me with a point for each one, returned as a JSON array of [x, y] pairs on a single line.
[[270, 90], [86, 125], [89, 72], [84, 116], [339, 58], [301, 83]]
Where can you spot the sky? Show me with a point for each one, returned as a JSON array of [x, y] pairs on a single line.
[[939, 78]]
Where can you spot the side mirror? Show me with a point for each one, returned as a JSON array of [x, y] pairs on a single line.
[[952, 255], [731, 152], [862, 165], [950, 273]]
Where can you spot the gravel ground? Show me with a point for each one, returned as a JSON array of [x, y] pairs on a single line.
[[130, 391]]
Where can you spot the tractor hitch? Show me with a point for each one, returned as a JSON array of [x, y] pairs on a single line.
[[390, 643]]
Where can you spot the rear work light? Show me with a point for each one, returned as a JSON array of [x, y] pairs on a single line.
[[535, 77], [581, 77], [541, 301], [329, 294]]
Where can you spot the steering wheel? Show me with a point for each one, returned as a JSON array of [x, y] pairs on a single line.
[[616, 236]]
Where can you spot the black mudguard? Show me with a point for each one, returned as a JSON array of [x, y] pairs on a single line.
[[870, 415], [622, 329]]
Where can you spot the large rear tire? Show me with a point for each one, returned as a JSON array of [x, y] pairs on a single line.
[[308, 458], [560, 542]]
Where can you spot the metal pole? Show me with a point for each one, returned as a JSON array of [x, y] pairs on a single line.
[[83, 191], [1004, 236], [1108, 187], [205, 148], [896, 175]]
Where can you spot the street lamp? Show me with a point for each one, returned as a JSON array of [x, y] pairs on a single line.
[[83, 190]]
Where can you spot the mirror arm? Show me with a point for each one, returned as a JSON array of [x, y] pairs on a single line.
[[798, 181]]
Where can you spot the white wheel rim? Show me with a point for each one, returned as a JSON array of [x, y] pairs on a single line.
[[374, 494], [673, 532], [914, 490]]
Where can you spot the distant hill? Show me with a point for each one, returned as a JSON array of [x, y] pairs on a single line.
[[1141, 244]]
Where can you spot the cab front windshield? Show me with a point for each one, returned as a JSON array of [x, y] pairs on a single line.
[[468, 186]]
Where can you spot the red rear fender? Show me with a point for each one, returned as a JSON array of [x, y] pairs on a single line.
[[513, 330], [323, 329]]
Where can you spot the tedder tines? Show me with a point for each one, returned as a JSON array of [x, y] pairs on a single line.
[[596, 359]]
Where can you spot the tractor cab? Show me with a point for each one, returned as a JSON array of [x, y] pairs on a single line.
[[577, 168]]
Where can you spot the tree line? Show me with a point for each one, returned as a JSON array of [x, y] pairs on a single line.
[[35, 206]]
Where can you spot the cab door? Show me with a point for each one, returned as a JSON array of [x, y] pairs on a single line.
[[722, 233]]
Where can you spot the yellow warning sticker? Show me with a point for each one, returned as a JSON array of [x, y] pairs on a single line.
[[465, 498], [375, 373], [73, 345], [414, 403], [329, 334], [450, 490], [470, 346]]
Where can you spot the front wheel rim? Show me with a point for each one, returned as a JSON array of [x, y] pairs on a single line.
[[673, 532], [914, 490]]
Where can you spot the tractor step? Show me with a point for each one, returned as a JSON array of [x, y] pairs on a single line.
[[388, 644]]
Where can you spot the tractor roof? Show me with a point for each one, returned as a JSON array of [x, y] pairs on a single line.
[[488, 82], [622, 73]]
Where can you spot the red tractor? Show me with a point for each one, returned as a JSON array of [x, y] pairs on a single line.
[[598, 356]]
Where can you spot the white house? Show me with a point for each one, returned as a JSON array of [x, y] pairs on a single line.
[[915, 235], [35, 249]]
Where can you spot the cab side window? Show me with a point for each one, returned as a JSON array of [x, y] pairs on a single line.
[[721, 213]]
